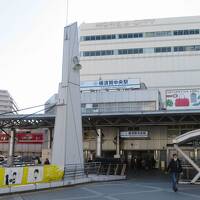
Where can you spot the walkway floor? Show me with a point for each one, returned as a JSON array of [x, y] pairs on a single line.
[[138, 187]]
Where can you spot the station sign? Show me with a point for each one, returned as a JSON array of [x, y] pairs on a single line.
[[134, 134], [182, 99], [110, 84]]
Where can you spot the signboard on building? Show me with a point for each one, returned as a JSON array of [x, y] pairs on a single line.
[[23, 138], [183, 99], [110, 84], [134, 134]]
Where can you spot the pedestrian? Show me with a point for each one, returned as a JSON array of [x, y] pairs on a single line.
[[46, 162], [175, 169]]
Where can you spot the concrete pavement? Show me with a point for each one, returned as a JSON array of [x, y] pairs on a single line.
[[136, 188]]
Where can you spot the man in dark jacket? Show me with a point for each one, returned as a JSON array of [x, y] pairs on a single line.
[[175, 169]]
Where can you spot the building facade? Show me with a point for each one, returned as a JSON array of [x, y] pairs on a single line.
[[162, 53], [7, 104], [140, 87]]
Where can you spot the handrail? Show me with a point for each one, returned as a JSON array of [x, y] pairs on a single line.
[[93, 168]]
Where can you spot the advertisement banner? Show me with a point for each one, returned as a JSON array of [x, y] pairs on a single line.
[[110, 84], [13, 176], [30, 174], [23, 138], [183, 99], [35, 174]]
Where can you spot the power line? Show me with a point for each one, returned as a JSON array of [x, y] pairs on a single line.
[[26, 116], [18, 110]]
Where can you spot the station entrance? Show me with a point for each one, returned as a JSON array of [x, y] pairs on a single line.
[[140, 159]]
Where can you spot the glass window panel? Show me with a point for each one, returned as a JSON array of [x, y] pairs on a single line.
[[98, 53], [149, 34], [125, 51], [168, 49], [135, 51], [92, 53], [130, 51], [103, 37], [98, 37], [190, 48], [103, 53], [140, 35], [87, 38], [148, 50], [130, 35], [191, 32], [175, 32], [120, 52], [197, 48], [180, 32], [140, 50], [86, 53], [125, 36], [93, 37], [181, 49], [157, 50]]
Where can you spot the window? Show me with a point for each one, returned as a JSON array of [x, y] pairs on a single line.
[[98, 37], [197, 48], [162, 49], [179, 48], [140, 50], [98, 53], [130, 35], [187, 48], [87, 38], [186, 32], [93, 37], [140, 35], [149, 34]]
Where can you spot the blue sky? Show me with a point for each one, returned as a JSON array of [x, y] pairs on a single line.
[[31, 36]]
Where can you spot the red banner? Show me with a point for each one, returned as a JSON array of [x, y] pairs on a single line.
[[23, 138]]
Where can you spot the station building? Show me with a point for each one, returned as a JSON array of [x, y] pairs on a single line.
[[140, 88], [163, 56]]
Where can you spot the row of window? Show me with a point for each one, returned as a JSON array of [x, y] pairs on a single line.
[[130, 51], [141, 35], [97, 53], [141, 50], [98, 37]]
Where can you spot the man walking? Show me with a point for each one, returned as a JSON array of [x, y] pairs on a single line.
[[175, 169]]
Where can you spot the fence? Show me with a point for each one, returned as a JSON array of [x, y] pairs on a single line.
[[76, 171]]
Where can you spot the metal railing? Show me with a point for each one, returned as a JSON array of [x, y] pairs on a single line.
[[188, 173], [76, 171]]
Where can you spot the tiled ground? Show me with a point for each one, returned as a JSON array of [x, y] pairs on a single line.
[[135, 188]]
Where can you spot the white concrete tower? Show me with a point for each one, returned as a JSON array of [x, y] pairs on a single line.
[[68, 142]]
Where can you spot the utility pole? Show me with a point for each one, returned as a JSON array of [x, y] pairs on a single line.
[[11, 147]]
